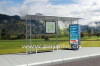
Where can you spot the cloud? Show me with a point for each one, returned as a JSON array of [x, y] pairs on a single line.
[[7, 7], [89, 10]]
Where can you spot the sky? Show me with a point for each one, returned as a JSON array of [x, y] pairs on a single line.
[[88, 10]]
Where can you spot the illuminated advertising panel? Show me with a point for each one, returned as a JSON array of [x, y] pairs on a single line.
[[74, 32]]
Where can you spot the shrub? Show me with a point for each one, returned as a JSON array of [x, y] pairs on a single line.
[[82, 34], [21, 36], [4, 35], [89, 34], [98, 34]]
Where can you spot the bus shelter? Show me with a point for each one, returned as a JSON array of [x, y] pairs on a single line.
[[46, 21]]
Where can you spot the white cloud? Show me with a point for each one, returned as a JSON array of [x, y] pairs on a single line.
[[89, 10]]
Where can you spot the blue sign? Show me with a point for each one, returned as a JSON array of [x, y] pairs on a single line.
[[74, 33]]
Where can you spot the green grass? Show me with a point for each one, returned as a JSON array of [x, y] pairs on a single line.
[[91, 38], [90, 43], [11, 46], [15, 46]]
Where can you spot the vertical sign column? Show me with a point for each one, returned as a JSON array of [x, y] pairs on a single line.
[[74, 32]]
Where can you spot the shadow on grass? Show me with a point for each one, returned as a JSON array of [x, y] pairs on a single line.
[[28, 53]]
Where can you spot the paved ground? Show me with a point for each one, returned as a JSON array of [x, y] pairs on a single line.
[[93, 61], [48, 58]]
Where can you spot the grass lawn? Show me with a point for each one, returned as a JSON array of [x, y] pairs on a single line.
[[15, 46], [90, 43], [91, 38]]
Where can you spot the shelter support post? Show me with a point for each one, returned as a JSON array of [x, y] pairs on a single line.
[[57, 34], [30, 36], [26, 36], [77, 21]]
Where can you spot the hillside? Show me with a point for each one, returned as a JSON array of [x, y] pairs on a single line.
[[13, 25]]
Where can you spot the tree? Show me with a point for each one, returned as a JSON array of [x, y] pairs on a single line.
[[89, 34], [4, 34], [82, 34], [21, 36], [59, 32], [46, 38], [98, 34], [62, 32]]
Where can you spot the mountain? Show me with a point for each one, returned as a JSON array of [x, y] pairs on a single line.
[[12, 24]]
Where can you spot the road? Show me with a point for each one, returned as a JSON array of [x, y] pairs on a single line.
[[92, 61]]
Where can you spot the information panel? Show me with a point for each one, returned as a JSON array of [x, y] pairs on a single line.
[[50, 27], [74, 32]]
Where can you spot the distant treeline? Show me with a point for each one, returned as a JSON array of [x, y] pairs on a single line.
[[11, 26]]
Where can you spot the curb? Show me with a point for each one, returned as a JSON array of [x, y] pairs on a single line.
[[60, 60]]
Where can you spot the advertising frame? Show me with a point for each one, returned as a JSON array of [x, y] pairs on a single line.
[[78, 34], [47, 25]]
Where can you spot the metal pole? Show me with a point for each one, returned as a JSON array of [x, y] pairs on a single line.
[[30, 36], [69, 29], [26, 35], [57, 34], [71, 21], [35, 38], [77, 21]]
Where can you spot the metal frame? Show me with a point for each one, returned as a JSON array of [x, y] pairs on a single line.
[[26, 36], [45, 18]]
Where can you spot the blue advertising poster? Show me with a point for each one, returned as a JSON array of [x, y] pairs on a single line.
[[74, 32]]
